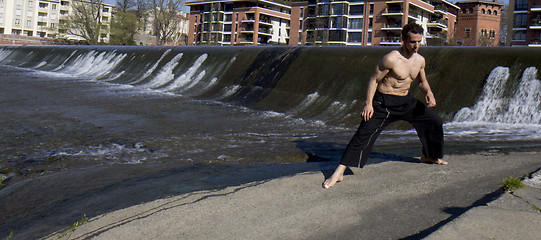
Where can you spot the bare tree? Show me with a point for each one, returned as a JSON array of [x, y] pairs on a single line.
[[506, 29], [85, 20], [166, 18], [125, 5]]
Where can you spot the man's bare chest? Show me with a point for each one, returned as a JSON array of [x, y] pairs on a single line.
[[405, 70]]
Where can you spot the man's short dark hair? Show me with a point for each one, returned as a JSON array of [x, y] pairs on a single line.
[[411, 28]]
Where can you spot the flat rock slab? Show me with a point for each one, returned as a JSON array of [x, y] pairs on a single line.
[[389, 200]]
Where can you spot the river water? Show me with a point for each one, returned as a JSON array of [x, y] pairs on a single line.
[[81, 124]]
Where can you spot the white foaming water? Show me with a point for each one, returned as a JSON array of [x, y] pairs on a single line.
[[228, 92], [94, 65], [187, 79], [41, 64], [494, 107], [309, 100], [166, 73], [115, 153], [61, 66], [491, 100], [524, 106], [4, 54], [496, 117], [150, 70]]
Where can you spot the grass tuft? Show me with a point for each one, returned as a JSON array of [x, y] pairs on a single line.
[[511, 184], [72, 229]]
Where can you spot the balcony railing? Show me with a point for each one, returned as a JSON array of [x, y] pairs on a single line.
[[391, 40]]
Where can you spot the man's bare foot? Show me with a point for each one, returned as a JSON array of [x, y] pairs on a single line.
[[337, 176], [329, 182], [432, 160]]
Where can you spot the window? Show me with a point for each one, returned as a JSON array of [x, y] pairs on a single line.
[[521, 5], [18, 11], [338, 36], [105, 9], [489, 12], [42, 14], [30, 3], [471, 10], [356, 10], [483, 11], [1, 9], [520, 20], [105, 19], [324, 9], [355, 37], [337, 9], [355, 23], [336, 22], [53, 6], [495, 12], [53, 25], [17, 21], [1, 19], [519, 36], [467, 32], [19, 2], [43, 5], [53, 15], [28, 23], [29, 13]]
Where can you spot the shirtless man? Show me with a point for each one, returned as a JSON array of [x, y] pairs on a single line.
[[388, 100]]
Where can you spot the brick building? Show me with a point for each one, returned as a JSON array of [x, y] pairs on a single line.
[[372, 22], [318, 22], [478, 23], [238, 22]]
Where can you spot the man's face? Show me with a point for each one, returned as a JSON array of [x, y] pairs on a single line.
[[413, 42]]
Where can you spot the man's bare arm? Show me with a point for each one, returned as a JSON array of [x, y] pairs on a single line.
[[381, 71], [425, 87]]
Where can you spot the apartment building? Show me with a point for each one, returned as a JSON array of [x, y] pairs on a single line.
[[318, 22], [527, 23], [238, 22], [374, 22], [40, 18], [478, 23]]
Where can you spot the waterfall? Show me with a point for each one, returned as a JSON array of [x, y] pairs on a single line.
[[523, 106]]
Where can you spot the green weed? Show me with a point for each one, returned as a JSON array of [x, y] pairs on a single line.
[[2, 178], [10, 235], [75, 225], [511, 184]]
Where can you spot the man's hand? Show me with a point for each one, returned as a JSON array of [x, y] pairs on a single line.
[[367, 112], [430, 99]]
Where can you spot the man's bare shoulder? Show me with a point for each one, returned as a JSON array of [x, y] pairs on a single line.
[[419, 58], [390, 58], [392, 54]]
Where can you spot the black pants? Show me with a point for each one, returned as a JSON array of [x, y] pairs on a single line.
[[388, 109]]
